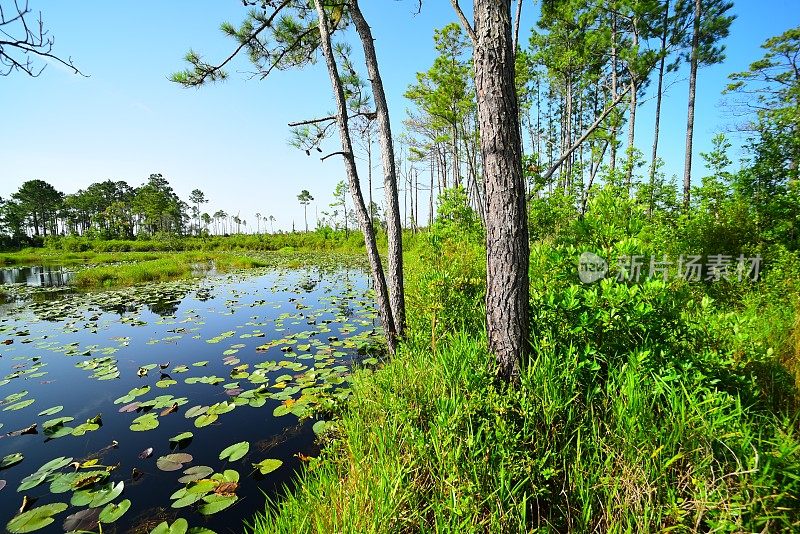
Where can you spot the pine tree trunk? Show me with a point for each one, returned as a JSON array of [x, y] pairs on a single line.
[[687, 168], [381, 291], [612, 164], [507, 249], [394, 230], [659, 97]]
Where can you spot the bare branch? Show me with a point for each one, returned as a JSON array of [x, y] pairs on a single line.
[[464, 22], [345, 154], [18, 36]]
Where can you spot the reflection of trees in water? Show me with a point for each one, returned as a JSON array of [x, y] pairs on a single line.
[[164, 308], [41, 276], [203, 294]]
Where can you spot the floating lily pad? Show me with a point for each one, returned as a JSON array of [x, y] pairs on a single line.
[[180, 526], [216, 503], [51, 411], [205, 420], [173, 462], [11, 459], [145, 422], [183, 436], [194, 473], [35, 519], [19, 405], [112, 511], [268, 466], [235, 452], [82, 521]]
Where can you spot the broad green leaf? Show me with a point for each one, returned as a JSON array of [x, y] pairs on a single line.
[[51, 411], [106, 494], [11, 459], [268, 466], [235, 452], [216, 503], [35, 519], [112, 511]]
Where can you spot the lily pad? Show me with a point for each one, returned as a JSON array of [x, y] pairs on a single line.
[[180, 526], [183, 436], [216, 503], [173, 462], [195, 473], [148, 421], [11, 459], [82, 521], [268, 466], [19, 406], [205, 420], [106, 494], [112, 511], [35, 519], [235, 452], [51, 411]]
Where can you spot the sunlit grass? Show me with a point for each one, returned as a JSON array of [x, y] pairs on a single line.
[[167, 267]]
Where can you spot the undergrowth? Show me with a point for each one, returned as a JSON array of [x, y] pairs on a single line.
[[642, 408]]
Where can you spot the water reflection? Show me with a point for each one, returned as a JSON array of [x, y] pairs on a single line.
[[38, 276]]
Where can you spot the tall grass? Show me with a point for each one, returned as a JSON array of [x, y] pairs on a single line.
[[178, 265], [642, 409]]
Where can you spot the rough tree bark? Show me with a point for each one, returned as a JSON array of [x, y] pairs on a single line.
[[382, 293], [507, 249], [687, 168], [394, 230], [659, 98]]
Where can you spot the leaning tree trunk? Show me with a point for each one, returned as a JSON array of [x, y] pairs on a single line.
[[507, 249], [382, 293], [687, 168], [394, 229]]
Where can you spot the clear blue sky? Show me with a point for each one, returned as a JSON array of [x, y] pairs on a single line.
[[230, 139]]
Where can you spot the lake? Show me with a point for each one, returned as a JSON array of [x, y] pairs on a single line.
[[239, 361]]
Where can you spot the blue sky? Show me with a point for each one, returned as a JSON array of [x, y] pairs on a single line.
[[127, 120]]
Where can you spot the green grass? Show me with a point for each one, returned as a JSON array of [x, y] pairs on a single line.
[[167, 267], [642, 409]]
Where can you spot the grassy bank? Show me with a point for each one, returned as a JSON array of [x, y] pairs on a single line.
[[643, 408], [78, 248], [168, 267]]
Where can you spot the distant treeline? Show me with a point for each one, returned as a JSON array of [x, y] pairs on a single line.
[[110, 210]]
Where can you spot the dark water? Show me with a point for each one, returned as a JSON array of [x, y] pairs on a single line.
[[38, 276], [313, 319]]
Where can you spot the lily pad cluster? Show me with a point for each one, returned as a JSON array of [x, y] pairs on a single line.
[[285, 349]]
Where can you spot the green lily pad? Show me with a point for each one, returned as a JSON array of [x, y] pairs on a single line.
[[194, 411], [205, 420], [106, 494], [11, 459], [183, 436], [112, 511], [35, 519], [58, 421], [237, 451], [51, 411], [82, 429], [216, 503], [180, 526], [19, 405], [268, 466], [195, 473], [145, 422]]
